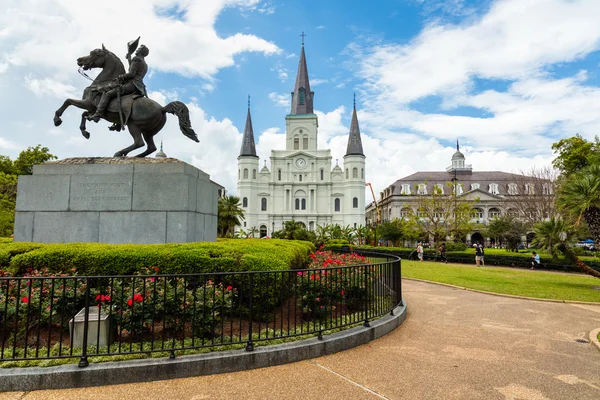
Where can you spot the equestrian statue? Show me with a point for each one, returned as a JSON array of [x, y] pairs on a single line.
[[120, 97]]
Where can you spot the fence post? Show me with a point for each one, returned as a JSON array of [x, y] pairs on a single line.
[[366, 324], [83, 361], [250, 345]]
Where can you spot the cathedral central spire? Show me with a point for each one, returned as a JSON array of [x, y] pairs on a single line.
[[302, 97]]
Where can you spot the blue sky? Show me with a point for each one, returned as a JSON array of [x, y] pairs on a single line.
[[505, 77]]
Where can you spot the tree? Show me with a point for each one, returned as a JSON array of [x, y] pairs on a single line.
[[580, 196], [553, 236], [440, 215], [535, 200], [293, 230], [8, 199], [252, 232], [575, 153], [506, 229], [229, 214], [392, 231], [24, 163]]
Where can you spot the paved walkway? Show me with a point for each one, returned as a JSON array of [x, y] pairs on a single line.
[[454, 344]]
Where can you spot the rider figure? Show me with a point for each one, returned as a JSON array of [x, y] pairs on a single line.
[[131, 82]]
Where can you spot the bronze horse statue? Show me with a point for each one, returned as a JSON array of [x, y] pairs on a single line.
[[144, 116]]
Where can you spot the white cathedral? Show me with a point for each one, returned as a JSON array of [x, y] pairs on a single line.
[[301, 184]]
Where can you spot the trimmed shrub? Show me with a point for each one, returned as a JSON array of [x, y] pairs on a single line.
[[93, 259]]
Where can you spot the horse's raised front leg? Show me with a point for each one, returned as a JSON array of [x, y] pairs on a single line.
[[138, 142], [84, 132], [84, 104]]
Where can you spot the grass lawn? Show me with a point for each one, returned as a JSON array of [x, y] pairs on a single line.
[[518, 282]]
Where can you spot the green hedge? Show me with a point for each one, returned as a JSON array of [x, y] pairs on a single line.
[[92, 259], [104, 259], [509, 259]]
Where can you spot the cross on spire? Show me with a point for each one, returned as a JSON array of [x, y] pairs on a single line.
[[457, 148], [303, 35], [354, 100], [248, 101]]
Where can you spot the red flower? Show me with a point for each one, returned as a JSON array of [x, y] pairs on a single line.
[[343, 293], [156, 268], [25, 299], [107, 298], [229, 287], [138, 298], [130, 302]]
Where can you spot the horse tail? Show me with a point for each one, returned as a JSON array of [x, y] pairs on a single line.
[[181, 111]]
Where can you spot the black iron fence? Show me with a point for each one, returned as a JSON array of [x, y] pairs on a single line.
[[69, 317]]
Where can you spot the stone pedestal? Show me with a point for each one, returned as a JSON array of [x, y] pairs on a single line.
[[116, 200]]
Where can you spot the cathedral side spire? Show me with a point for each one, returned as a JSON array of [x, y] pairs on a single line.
[[354, 141], [302, 97], [248, 146]]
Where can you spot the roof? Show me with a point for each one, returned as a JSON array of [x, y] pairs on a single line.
[[483, 178], [302, 104], [354, 142], [248, 146]]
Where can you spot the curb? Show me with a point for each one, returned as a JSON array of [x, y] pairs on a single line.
[[154, 369], [594, 338], [503, 294]]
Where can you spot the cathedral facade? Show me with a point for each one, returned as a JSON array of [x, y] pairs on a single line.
[[301, 184]]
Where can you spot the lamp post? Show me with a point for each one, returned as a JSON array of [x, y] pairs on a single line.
[[272, 228]]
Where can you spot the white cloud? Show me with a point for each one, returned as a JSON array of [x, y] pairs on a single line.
[[316, 82], [320, 27], [55, 32], [50, 87], [282, 100], [291, 55], [514, 42], [281, 71]]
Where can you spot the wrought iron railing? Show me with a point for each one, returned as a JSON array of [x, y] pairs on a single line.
[[77, 316]]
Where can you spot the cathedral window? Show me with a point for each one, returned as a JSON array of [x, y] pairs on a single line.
[[405, 212], [477, 213], [512, 188], [422, 189], [474, 186], [301, 96], [439, 188], [494, 188], [305, 143], [245, 202], [405, 188], [279, 174], [337, 204], [296, 144], [362, 173], [303, 204], [253, 174], [355, 172], [346, 173], [245, 173], [355, 202], [300, 177], [322, 173], [263, 204], [297, 204]]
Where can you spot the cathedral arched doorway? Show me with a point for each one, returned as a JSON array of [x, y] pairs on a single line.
[[476, 237], [263, 231], [301, 225]]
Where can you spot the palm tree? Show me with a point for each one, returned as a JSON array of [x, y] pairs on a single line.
[[348, 234], [252, 231], [580, 195], [322, 233], [229, 214], [553, 235]]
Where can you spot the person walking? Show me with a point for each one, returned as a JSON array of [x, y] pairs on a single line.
[[443, 253], [420, 251], [480, 247], [478, 251]]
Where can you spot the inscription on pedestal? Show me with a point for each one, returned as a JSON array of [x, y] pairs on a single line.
[[100, 192]]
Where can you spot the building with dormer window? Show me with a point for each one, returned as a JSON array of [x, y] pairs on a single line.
[[301, 184], [496, 193]]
